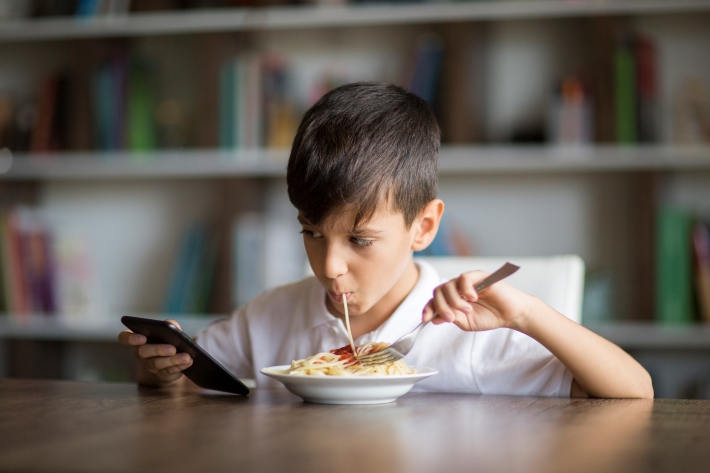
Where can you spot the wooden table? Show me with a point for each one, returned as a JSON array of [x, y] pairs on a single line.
[[66, 426]]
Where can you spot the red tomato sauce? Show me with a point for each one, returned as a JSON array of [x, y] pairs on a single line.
[[345, 353]]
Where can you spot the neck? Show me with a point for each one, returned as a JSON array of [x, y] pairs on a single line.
[[385, 307]]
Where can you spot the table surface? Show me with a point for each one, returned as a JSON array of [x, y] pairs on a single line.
[[69, 426]]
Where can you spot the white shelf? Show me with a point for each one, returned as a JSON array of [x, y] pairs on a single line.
[[653, 336], [242, 19], [106, 329], [158, 164], [541, 159], [628, 335], [268, 163]]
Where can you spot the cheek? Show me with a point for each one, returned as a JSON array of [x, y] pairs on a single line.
[[314, 254], [381, 268]]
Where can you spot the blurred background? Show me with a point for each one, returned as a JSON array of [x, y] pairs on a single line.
[[143, 147]]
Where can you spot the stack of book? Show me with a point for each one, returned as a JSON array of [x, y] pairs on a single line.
[[256, 107], [29, 282], [123, 105]]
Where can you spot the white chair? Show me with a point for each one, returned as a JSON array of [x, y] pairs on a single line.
[[557, 280]]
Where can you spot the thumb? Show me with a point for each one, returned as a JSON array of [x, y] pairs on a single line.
[[174, 322]]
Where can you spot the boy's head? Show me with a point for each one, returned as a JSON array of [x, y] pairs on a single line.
[[362, 174], [362, 144]]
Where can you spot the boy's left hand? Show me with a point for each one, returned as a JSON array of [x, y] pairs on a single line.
[[501, 305]]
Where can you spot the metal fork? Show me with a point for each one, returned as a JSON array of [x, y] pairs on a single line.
[[401, 347]]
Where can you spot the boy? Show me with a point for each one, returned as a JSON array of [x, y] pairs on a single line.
[[363, 176]]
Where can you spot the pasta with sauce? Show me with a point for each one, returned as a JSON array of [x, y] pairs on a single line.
[[341, 362]]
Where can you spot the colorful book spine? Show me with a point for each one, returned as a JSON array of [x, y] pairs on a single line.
[[427, 68], [674, 271], [142, 134], [645, 50], [701, 250], [625, 94], [226, 107]]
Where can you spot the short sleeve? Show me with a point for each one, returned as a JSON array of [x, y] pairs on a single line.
[[508, 362], [228, 342]]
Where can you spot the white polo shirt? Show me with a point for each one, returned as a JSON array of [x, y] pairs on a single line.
[[291, 322]]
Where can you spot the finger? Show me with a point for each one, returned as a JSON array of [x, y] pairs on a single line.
[[441, 307], [129, 338], [168, 377], [152, 349], [465, 285], [172, 370], [428, 312], [174, 322], [162, 362], [454, 299]]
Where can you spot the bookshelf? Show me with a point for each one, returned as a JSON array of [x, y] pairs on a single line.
[[263, 163], [308, 17], [595, 200]]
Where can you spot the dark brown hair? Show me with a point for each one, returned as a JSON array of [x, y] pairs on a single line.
[[362, 143]]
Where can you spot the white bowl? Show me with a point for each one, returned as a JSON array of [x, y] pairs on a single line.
[[348, 389]]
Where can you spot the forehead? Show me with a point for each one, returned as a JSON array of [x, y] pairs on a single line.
[[343, 220]]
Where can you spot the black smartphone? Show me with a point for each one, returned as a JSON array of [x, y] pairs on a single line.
[[205, 371]]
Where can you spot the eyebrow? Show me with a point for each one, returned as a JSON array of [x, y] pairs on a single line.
[[355, 230], [361, 230]]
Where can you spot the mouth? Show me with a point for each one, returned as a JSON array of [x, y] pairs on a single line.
[[338, 297]]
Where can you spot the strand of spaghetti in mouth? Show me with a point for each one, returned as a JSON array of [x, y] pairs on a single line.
[[347, 323]]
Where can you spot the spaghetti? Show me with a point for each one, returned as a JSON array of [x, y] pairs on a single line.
[[343, 361]]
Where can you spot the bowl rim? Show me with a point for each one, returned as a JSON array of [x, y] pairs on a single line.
[[422, 372]]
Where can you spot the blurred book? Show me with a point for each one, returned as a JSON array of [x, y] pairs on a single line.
[[247, 258], [625, 93], [266, 253], [77, 292], [255, 103], [124, 105], [570, 119], [646, 89], [28, 262], [280, 117], [423, 74], [141, 125], [701, 268], [598, 297], [50, 128], [691, 112], [192, 276], [674, 267], [92, 8]]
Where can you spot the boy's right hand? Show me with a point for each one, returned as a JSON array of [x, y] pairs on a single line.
[[159, 360]]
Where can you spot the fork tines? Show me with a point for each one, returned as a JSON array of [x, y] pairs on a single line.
[[387, 355]]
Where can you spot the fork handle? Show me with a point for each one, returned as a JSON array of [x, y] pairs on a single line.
[[501, 273]]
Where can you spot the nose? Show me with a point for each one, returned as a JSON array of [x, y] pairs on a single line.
[[335, 264]]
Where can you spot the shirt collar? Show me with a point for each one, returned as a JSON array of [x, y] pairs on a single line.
[[405, 317]]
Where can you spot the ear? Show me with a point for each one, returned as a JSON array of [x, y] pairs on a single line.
[[426, 224]]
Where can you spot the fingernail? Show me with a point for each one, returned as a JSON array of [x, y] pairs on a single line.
[[170, 350], [466, 309], [184, 358]]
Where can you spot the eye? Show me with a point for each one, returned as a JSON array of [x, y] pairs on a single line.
[[311, 233], [361, 242]]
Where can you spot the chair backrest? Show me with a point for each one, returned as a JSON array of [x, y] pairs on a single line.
[[557, 280]]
